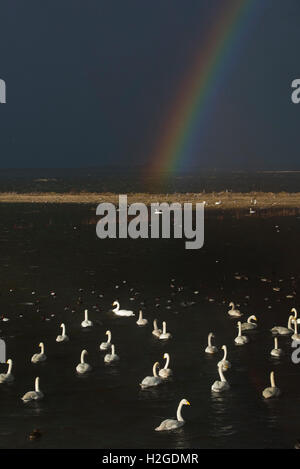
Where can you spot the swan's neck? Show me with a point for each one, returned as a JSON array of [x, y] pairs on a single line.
[[154, 370], [82, 356], [9, 367], [295, 313], [140, 315], [240, 329], [109, 337], [232, 306], [209, 339], [222, 377], [117, 307], [86, 317], [167, 361], [155, 325], [63, 329], [42, 347], [225, 352], [164, 331], [276, 342], [112, 350], [272, 379], [290, 322], [296, 326], [179, 416], [37, 384]]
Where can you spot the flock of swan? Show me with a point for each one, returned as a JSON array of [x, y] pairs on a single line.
[[161, 375]]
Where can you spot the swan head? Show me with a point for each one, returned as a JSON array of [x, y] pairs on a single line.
[[231, 304], [115, 303], [185, 402], [166, 355], [293, 310], [9, 361], [41, 344], [107, 332], [224, 347]]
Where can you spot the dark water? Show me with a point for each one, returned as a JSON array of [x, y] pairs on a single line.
[[126, 180], [54, 248]]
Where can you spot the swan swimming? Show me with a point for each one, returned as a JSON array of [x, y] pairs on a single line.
[[121, 312], [172, 424], [35, 395], [141, 321], [224, 362], [241, 339], [272, 391], [7, 377], [234, 312], [276, 352], [63, 337], [106, 345], [39, 357], [281, 330], [165, 335], [249, 325], [86, 322], [150, 381], [111, 357], [220, 386], [157, 332], [210, 348], [165, 372], [83, 367]]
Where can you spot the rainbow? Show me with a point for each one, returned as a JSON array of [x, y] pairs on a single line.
[[198, 86]]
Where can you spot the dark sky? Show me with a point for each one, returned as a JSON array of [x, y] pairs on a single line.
[[90, 83]]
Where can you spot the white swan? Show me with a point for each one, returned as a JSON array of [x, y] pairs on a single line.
[[249, 325], [172, 424], [241, 339], [63, 337], [224, 362], [296, 336], [234, 312], [165, 372], [150, 381], [281, 330], [141, 321], [83, 367], [7, 377], [111, 357], [210, 348], [272, 391], [157, 332], [293, 310], [35, 395], [121, 312], [106, 345], [276, 352], [39, 357], [86, 322], [165, 335], [220, 386]]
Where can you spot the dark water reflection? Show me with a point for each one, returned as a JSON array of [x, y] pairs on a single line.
[[107, 408]]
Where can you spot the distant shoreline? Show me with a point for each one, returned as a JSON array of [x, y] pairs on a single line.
[[225, 200]]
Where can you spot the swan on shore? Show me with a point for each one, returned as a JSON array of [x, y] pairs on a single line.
[[222, 385], [39, 357], [35, 395], [141, 321], [241, 339], [106, 345], [83, 367], [121, 312], [272, 391], [111, 357], [157, 332], [249, 325], [165, 372], [224, 362], [281, 330], [172, 424], [7, 377], [276, 352], [63, 337], [165, 335], [86, 322], [210, 348], [234, 312], [151, 381]]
